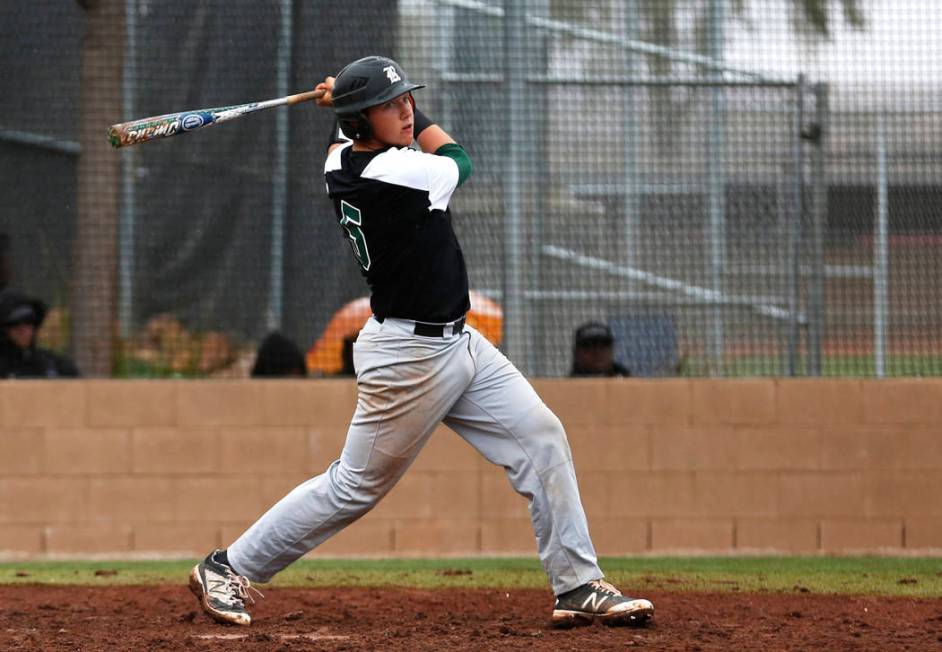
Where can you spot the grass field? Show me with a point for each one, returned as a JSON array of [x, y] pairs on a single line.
[[854, 366], [906, 576]]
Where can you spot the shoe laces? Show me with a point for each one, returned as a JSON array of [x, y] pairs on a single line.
[[604, 587], [240, 587]]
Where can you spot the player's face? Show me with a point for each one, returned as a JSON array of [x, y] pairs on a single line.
[[392, 121]]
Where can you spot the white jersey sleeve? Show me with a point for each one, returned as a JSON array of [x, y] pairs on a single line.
[[333, 159], [437, 175]]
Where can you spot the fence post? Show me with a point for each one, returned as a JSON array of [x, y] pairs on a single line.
[[819, 214], [881, 263], [631, 206], [537, 94], [717, 191], [793, 256], [444, 37], [128, 213], [95, 247], [279, 195], [515, 66]]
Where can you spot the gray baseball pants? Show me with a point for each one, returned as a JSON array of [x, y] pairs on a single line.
[[407, 384]]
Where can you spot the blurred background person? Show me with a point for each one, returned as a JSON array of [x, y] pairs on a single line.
[[278, 357], [6, 266], [593, 352], [21, 318], [348, 367]]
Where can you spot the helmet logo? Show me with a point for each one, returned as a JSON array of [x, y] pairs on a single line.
[[392, 74]]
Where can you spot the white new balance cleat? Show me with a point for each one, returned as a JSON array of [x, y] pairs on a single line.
[[599, 600], [221, 592]]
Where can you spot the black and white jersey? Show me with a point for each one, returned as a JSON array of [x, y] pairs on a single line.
[[392, 205]]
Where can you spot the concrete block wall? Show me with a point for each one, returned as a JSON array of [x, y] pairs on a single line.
[[171, 468]]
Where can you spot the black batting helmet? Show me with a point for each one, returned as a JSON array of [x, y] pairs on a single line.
[[364, 83]]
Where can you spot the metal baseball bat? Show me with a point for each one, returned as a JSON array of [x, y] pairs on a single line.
[[171, 124]]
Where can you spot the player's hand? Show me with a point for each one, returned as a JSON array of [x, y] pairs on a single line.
[[323, 93]]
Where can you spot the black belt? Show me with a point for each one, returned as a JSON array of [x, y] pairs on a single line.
[[432, 330], [438, 330]]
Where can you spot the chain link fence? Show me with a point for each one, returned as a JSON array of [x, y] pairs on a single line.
[[733, 188]]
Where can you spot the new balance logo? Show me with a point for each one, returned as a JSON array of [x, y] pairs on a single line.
[[392, 74], [597, 600]]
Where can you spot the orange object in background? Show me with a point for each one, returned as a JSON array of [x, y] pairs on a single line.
[[326, 355]]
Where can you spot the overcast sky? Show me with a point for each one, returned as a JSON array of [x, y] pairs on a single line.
[[900, 46], [897, 56]]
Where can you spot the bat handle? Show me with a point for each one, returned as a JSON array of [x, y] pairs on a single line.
[[301, 97]]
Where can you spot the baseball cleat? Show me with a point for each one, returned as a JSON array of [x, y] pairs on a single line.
[[599, 600], [221, 592]]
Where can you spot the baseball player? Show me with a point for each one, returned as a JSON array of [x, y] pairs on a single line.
[[417, 364]]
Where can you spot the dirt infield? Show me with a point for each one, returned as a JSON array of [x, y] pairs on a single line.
[[166, 618]]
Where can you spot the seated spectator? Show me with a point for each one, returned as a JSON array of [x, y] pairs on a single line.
[[278, 357], [593, 352], [6, 266], [20, 320], [348, 367]]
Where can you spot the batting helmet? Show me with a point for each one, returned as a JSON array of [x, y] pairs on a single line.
[[364, 83]]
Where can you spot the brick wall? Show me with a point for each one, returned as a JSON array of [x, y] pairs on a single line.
[[151, 467]]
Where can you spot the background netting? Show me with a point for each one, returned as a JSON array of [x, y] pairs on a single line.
[[736, 188]]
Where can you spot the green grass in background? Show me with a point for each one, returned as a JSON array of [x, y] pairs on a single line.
[[831, 366], [904, 576]]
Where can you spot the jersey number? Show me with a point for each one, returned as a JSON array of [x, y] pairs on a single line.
[[351, 221]]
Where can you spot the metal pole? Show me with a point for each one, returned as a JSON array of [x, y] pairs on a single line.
[[128, 214], [445, 21], [819, 223], [793, 257], [881, 253], [536, 49], [609, 38], [40, 141], [781, 257], [717, 189], [631, 213], [515, 63], [279, 196]]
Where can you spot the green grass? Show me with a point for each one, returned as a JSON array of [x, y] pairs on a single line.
[[901, 576], [831, 366], [124, 367]]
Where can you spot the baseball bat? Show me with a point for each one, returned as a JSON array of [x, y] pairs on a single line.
[[172, 124]]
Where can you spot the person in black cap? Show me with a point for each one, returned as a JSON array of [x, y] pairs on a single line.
[[6, 266], [20, 320], [593, 352], [348, 369], [278, 357]]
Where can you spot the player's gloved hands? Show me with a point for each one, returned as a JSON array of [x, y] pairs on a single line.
[[323, 92]]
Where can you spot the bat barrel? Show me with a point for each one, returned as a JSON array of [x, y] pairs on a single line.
[[171, 124], [141, 131]]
